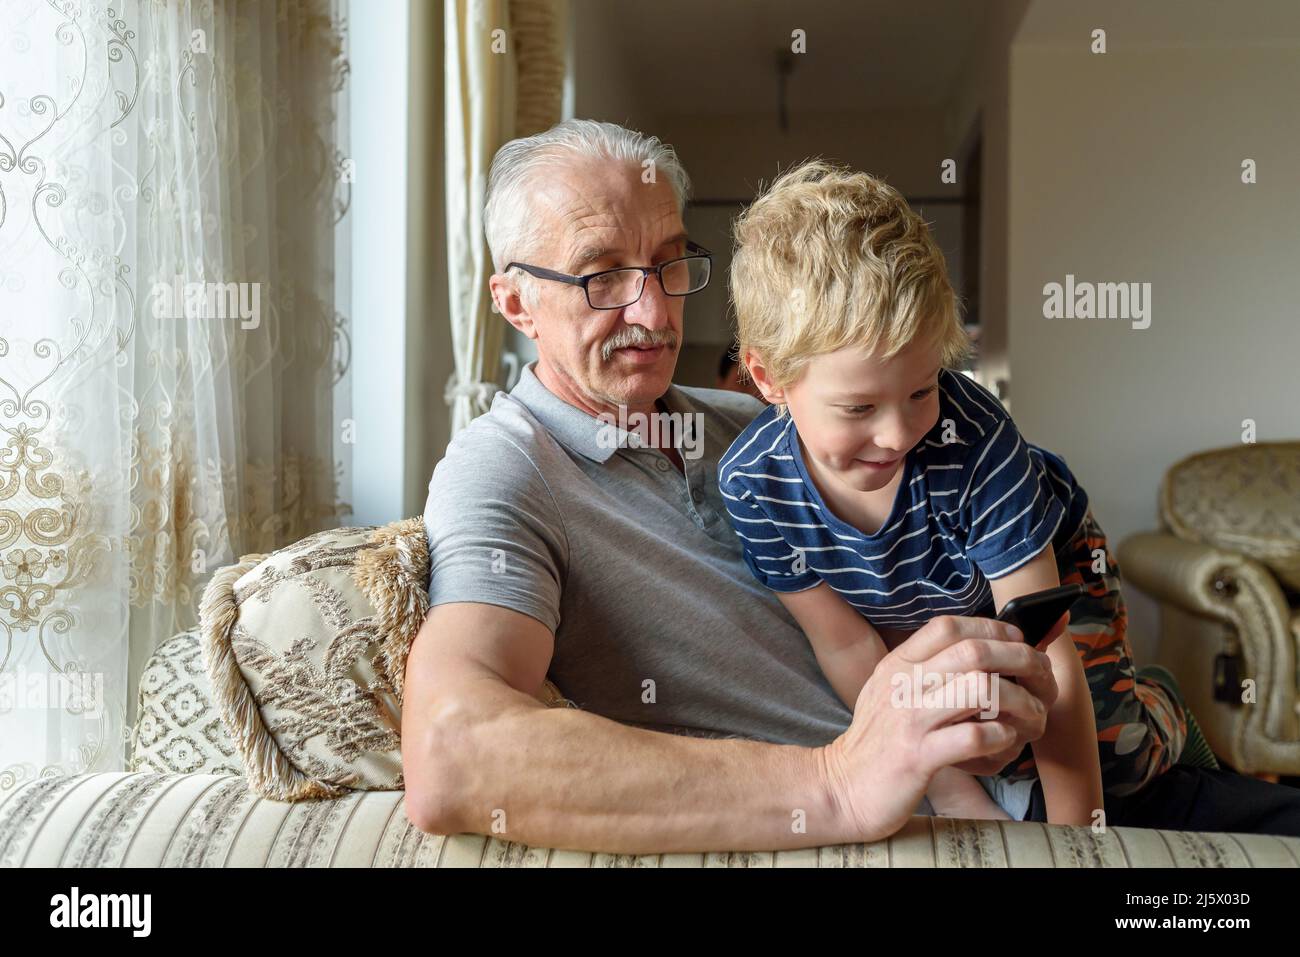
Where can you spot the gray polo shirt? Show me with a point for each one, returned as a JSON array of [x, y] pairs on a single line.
[[634, 568]]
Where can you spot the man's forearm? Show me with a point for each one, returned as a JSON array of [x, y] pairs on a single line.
[[565, 778]]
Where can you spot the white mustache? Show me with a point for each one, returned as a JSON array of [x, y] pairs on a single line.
[[644, 339]]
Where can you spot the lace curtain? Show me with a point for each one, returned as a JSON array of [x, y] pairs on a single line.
[[173, 348]]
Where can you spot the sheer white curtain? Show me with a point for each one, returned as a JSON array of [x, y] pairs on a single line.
[[505, 63], [173, 367]]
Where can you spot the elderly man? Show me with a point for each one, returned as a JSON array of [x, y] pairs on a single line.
[[602, 556]]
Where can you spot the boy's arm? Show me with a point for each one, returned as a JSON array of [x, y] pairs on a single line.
[[847, 647], [1068, 761], [1067, 758], [954, 793]]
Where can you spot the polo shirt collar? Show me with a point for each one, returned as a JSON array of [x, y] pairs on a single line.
[[575, 429]]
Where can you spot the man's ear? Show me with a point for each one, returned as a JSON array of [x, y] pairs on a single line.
[[758, 372], [508, 301]]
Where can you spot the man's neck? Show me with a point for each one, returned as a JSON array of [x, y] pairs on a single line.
[[637, 418]]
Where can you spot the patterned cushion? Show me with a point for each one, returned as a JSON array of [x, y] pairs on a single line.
[[177, 727], [1244, 499], [306, 649]]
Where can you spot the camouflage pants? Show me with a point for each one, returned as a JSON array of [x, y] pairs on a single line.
[[1140, 730]]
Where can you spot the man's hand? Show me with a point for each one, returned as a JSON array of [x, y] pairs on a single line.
[[880, 767], [1042, 687]]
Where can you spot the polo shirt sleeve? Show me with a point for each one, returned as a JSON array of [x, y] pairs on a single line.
[[770, 558], [1009, 511], [495, 533]]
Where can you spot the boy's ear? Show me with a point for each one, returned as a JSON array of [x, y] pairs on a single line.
[[758, 372]]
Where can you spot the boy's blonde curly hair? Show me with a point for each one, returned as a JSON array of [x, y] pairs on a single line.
[[828, 258]]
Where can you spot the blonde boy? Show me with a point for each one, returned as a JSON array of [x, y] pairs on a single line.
[[882, 488]]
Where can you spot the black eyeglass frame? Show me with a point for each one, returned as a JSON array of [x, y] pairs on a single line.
[[697, 252]]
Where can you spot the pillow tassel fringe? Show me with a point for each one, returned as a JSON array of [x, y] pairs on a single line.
[[268, 771]]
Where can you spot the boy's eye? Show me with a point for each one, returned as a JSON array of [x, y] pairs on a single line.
[[862, 409]]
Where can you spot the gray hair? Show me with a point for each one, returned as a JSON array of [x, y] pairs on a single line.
[[511, 228]]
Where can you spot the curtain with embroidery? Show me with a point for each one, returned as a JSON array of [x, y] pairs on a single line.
[[505, 70], [173, 345]]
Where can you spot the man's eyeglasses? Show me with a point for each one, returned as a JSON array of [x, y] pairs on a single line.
[[616, 288]]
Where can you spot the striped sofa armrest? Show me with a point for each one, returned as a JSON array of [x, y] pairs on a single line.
[[119, 819]]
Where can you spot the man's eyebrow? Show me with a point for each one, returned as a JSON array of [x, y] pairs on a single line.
[[592, 254], [674, 240], [864, 395]]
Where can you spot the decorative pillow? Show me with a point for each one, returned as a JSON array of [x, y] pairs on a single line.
[[177, 727], [1244, 498], [306, 649]]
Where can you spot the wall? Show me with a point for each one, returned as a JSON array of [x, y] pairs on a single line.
[[1126, 167]]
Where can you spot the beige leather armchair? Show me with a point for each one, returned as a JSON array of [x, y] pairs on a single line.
[[1225, 567]]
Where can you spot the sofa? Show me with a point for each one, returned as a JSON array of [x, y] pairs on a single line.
[[269, 736], [1224, 566]]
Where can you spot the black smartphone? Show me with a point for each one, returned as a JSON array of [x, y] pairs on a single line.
[[1035, 614]]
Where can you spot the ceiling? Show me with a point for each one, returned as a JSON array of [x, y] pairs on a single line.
[[1162, 23], [710, 56]]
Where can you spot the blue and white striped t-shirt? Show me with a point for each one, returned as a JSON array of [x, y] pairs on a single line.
[[974, 508]]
